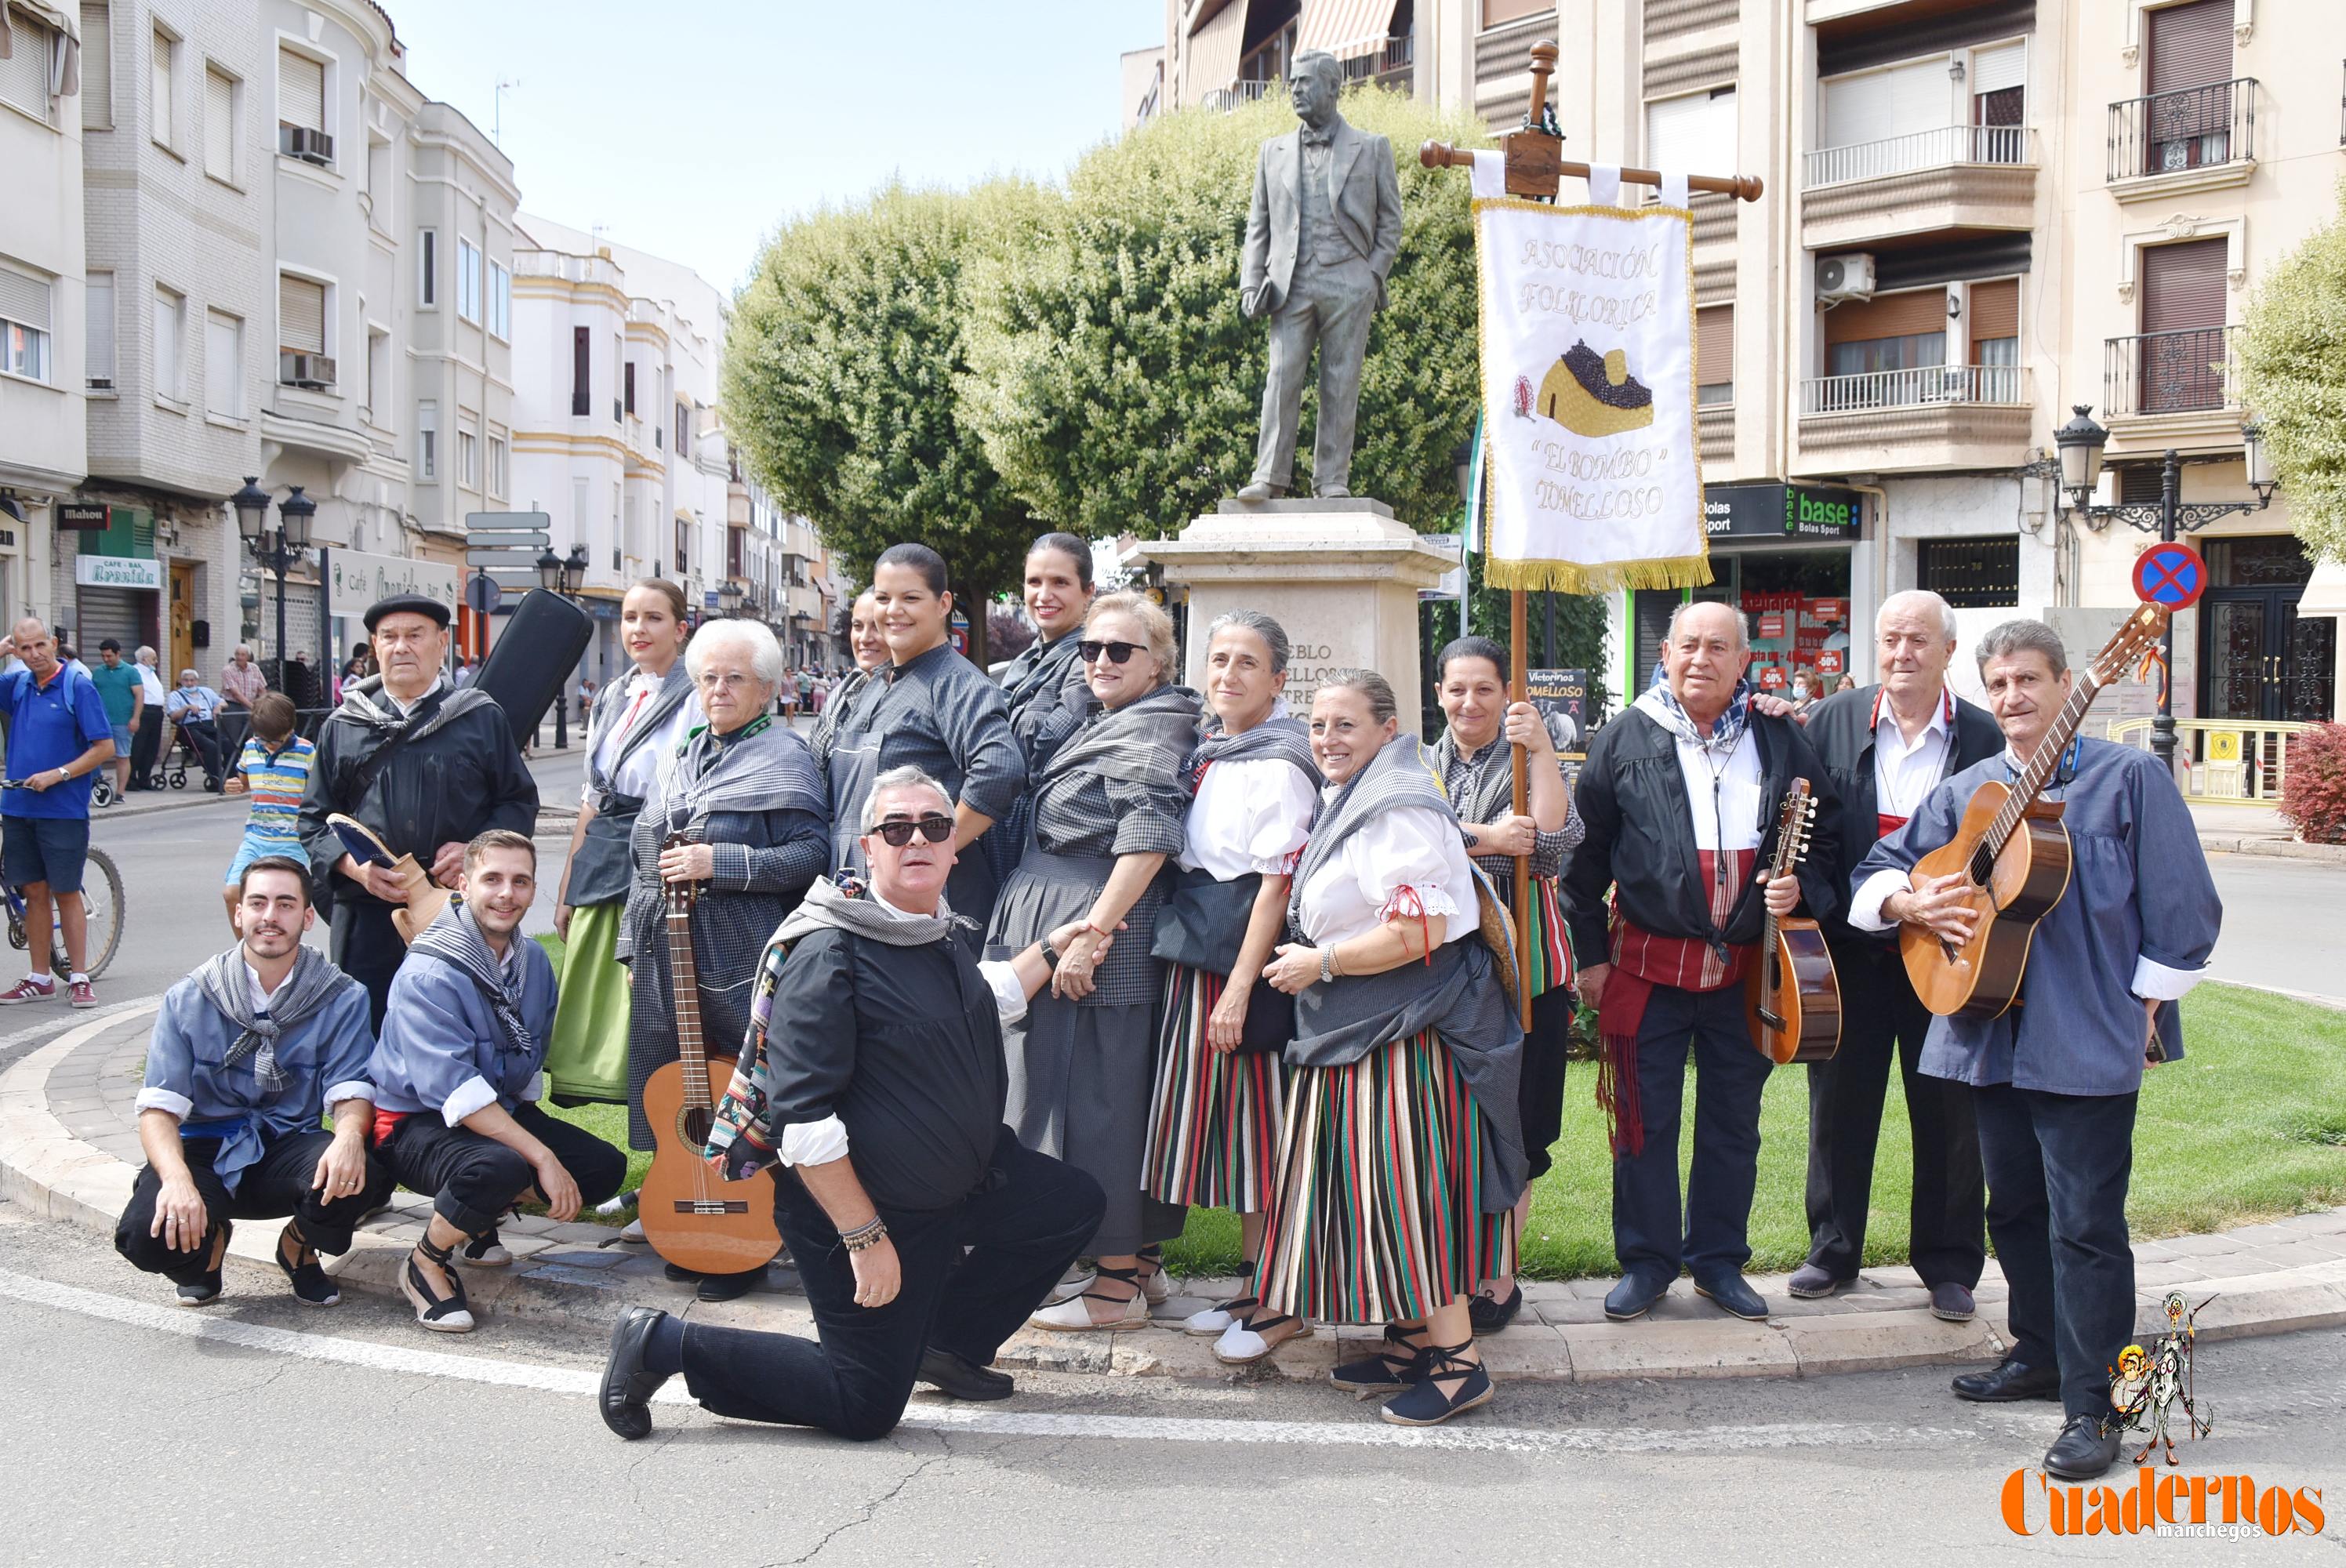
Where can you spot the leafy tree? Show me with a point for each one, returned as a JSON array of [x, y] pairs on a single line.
[[1116, 385], [840, 372], [2293, 369]]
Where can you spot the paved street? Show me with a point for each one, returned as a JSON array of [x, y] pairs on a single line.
[[342, 1420]]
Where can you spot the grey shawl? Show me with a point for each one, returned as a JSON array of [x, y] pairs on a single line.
[[308, 987], [1147, 741], [1402, 774], [367, 704], [770, 767], [456, 939], [1286, 738], [675, 691]]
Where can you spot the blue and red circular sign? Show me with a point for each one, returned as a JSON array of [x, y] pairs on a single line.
[[2171, 576]]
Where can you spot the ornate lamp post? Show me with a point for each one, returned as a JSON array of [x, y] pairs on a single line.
[[2080, 442], [728, 598], [279, 548], [562, 574]]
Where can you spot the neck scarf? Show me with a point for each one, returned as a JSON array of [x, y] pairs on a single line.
[[456, 939], [1147, 740], [366, 703], [1661, 705], [308, 986], [764, 766], [1279, 735], [674, 689]]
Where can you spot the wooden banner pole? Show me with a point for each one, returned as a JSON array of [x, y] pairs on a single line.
[[1517, 681]]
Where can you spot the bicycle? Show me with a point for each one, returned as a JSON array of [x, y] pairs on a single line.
[[101, 896]]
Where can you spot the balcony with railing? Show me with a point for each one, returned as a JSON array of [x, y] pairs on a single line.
[[1953, 176], [1924, 416], [2172, 383], [1380, 61], [2194, 139], [1239, 94]]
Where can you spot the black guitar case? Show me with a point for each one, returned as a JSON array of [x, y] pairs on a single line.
[[534, 657]]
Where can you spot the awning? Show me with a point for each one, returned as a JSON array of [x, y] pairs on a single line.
[[2325, 591], [65, 65], [1344, 27], [1213, 55]]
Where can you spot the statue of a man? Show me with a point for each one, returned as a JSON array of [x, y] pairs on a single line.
[[1322, 233]]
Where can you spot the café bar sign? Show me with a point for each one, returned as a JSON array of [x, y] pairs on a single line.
[[355, 580], [118, 572], [1781, 512]]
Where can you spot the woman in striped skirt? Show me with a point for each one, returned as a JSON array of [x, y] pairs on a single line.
[[1213, 1126], [1476, 761], [1401, 1156]]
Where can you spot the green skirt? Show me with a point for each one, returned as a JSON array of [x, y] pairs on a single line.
[[589, 1057]]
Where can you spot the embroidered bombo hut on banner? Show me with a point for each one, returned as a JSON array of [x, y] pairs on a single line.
[[1589, 388]]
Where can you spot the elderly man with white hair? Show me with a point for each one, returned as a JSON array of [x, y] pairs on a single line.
[[242, 680], [873, 1074], [742, 810], [1884, 746]]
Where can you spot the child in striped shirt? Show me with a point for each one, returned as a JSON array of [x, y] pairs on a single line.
[[274, 768]]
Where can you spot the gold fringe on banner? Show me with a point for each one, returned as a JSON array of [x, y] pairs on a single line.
[[1597, 576]]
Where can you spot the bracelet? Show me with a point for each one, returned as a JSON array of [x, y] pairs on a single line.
[[1094, 931], [869, 1234]]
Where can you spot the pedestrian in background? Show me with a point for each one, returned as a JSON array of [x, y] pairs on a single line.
[[146, 743], [242, 680], [58, 736], [124, 695], [274, 768], [194, 708]]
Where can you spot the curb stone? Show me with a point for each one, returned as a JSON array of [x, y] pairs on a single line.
[[577, 1276]]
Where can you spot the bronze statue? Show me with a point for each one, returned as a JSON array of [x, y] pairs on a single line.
[[1322, 233]]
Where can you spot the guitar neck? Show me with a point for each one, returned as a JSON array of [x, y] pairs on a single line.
[[684, 977], [2041, 767]]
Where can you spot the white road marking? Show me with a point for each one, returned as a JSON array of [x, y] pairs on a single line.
[[1367, 1432]]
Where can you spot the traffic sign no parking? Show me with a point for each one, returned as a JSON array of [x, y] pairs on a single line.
[[2170, 574]]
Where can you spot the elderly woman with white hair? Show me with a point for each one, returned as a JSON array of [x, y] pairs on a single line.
[[740, 809]]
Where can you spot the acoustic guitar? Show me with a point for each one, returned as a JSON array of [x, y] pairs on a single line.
[[2014, 849], [1791, 995], [693, 1217]]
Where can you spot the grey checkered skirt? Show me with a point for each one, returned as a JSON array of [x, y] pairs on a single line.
[[1048, 891]]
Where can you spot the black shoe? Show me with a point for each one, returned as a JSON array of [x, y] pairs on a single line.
[[729, 1286], [1730, 1294], [625, 1396], [1634, 1296], [680, 1275], [1424, 1404], [2008, 1380], [963, 1380], [2083, 1451], [1488, 1314], [1396, 1365], [1812, 1282], [310, 1286], [204, 1287], [1951, 1303]]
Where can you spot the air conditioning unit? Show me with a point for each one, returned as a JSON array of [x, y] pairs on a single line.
[[301, 142], [1845, 277], [295, 369]]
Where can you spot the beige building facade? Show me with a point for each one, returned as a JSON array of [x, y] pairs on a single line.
[[1977, 213]]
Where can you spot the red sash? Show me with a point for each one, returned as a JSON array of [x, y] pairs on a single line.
[[1642, 961], [1884, 824], [387, 1122]]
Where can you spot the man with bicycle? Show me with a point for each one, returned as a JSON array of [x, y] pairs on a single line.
[[57, 736]]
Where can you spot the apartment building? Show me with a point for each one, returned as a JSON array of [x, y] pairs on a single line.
[[1977, 214], [616, 433], [42, 410]]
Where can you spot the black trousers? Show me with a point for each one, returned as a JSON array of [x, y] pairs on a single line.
[[365, 945], [1539, 1092], [271, 1187], [2057, 1170], [1729, 1074], [1883, 1019], [1021, 1229], [472, 1178], [144, 746], [206, 740]]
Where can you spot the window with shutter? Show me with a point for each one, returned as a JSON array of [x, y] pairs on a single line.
[[300, 314], [2187, 118], [170, 322], [580, 389], [223, 365], [301, 91], [628, 398], [2190, 46], [1695, 133], [1881, 106], [1714, 354], [162, 118], [427, 440], [1994, 311], [1908, 314], [219, 125], [427, 266], [97, 67], [98, 294], [24, 71], [25, 328], [2181, 359]]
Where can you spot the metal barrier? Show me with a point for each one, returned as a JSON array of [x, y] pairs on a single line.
[[2225, 761]]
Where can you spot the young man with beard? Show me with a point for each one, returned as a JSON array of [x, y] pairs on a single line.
[[248, 1053]]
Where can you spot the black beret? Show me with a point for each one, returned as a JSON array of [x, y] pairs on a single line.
[[408, 604]]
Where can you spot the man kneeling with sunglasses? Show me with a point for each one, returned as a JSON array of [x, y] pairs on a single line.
[[874, 1072]]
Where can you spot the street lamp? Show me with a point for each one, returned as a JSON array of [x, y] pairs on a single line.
[[728, 598], [279, 549], [562, 574], [549, 571], [2080, 442]]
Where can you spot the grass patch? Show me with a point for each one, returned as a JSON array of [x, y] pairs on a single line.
[[2247, 1126], [609, 1123]]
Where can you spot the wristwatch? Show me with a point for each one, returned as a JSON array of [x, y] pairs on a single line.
[[1050, 956], [1326, 960]]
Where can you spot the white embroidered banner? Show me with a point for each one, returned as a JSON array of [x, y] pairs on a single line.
[[1587, 345]]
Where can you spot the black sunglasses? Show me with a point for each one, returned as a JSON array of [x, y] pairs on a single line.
[[1117, 652], [899, 832]]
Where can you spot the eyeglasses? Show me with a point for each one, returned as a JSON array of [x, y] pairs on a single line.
[[1118, 653], [898, 832]]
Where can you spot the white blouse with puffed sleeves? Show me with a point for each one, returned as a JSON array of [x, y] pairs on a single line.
[[1406, 861], [1247, 817]]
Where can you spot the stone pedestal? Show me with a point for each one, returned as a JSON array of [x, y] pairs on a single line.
[[1341, 575]]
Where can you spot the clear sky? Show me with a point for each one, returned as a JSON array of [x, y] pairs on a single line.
[[691, 128]]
